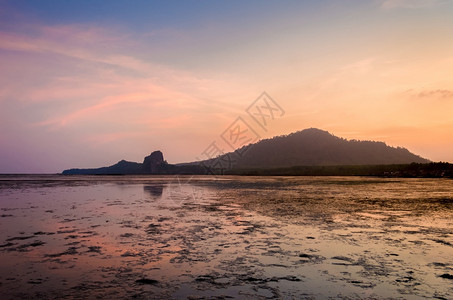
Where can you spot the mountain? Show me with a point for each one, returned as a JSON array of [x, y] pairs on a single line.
[[309, 147], [315, 147]]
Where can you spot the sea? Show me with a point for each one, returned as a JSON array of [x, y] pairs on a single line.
[[225, 237]]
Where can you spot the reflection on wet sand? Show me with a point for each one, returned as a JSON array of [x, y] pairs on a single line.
[[241, 237], [155, 190]]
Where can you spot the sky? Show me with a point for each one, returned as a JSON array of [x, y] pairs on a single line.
[[88, 83]]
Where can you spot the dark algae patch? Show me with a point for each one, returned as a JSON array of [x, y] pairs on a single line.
[[147, 281], [446, 276]]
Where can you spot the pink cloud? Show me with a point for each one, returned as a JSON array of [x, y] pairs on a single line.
[[72, 86]]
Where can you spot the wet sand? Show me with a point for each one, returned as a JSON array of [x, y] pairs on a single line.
[[228, 237]]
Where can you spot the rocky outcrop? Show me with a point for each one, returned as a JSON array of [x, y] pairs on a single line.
[[152, 164]]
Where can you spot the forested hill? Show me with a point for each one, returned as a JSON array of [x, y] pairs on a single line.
[[315, 147]]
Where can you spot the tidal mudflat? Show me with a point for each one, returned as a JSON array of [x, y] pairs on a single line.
[[189, 237]]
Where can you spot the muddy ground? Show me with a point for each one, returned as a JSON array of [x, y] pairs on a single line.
[[226, 237]]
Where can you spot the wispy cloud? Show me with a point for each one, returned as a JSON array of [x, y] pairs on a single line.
[[389, 4], [99, 77], [439, 94], [88, 44]]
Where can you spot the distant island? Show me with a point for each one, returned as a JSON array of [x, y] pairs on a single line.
[[308, 152]]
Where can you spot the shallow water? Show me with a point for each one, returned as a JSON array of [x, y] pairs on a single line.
[[242, 237]]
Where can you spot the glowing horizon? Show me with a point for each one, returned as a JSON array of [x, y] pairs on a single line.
[[86, 83]]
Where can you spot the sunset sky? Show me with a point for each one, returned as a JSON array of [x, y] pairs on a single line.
[[88, 83]]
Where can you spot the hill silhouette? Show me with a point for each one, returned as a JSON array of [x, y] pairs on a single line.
[[309, 147], [315, 147], [152, 164]]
